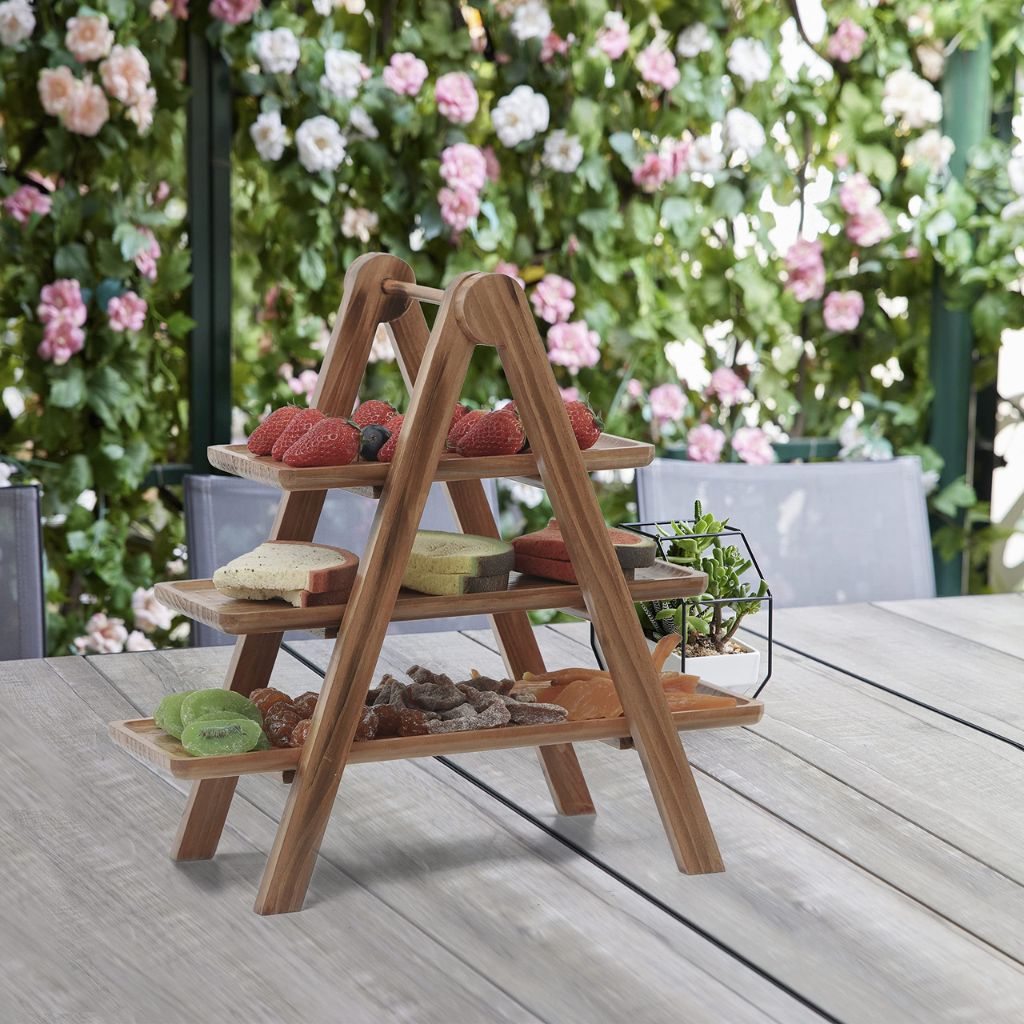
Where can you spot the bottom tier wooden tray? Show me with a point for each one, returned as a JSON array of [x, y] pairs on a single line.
[[150, 744]]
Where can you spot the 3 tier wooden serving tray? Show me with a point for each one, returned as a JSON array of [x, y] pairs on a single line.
[[476, 309]]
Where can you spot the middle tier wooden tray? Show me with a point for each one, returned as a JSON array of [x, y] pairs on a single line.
[[201, 601], [610, 452]]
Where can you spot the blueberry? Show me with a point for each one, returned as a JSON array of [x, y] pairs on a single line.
[[374, 437]]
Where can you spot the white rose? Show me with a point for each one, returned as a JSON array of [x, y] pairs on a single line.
[[1011, 211], [323, 7], [159, 9], [16, 22], [138, 642], [1015, 171], [531, 20], [89, 38], [362, 124], [353, 6], [911, 99], [6, 472], [382, 350], [343, 73], [277, 51], [743, 131], [141, 112], [269, 135], [933, 61], [705, 156], [749, 61], [520, 115], [693, 41], [931, 148], [148, 612], [358, 222], [562, 152], [320, 144]]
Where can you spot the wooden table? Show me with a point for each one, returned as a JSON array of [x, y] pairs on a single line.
[[871, 826]]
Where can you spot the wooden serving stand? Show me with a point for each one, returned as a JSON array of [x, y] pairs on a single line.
[[476, 309]]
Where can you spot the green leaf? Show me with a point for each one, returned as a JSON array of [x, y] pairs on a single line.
[[179, 324], [72, 260], [69, 391], [312, 269], [956, 495], [110, 397]]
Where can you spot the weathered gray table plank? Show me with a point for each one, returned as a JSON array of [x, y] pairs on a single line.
[[974, 682], [542, 924], [847, 940], [98, 925], [992, 620]]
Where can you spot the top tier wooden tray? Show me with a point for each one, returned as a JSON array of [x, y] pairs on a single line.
[[610, 452]]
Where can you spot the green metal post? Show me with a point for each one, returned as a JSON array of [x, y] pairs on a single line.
[[209, 199], [967, 104]]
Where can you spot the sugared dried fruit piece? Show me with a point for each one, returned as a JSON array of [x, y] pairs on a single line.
[[331, 442], [201, 702], [373, 411], [266, 697], [412, 723], [305, 703], [167, 715], [300, 733], [280, 722], [223, 736], [388, 719], [367, 728], [297, 426], [534, 713], [262, 439]]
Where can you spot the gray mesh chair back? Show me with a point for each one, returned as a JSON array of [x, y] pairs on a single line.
[[225, 517], [823, 532], [22, 614]]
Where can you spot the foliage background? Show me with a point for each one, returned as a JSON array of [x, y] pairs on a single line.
[[676, 282]]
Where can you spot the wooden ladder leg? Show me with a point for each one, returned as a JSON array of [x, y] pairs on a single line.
[[515, 635], [356, 650], [492, 308], [363, 306]]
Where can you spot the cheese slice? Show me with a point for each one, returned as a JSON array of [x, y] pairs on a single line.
[[289, 570]]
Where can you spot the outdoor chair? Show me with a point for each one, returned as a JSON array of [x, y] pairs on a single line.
[[226, 516], [822, 532], [22, 608]]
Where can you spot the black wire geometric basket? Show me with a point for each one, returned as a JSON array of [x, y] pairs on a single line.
[[663, 533]]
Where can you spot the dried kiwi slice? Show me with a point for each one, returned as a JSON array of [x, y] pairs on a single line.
[[263, 743], [167, 715], [224, 736], [202, 702]]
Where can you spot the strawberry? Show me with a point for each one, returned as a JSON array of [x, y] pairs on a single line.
[[457, 414], [297, 426], [387, 450], [461, 425], [497, 433], [261, 441], [331, 442], [586, 425], [373, 411]]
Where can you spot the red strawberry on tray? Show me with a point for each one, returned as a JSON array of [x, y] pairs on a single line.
[[585, 424], [496, 433], [387, 451], [461, 425], [261, 441], [297, 426], [331, 442], [373, 412]]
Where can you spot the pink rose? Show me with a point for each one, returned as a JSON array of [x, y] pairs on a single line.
[[456, 97], [857, 195], [125, 74], [405, 74], [61, 340], [553, 46], [868, 228], [704, 443], [234, 12], [667, 403], [87, 110], [573, 345], [509, 270], [842, 310], [459, 207], [126, 312], [552, 298], [847, 42], [657, 66], [677, 156], [56, 86], [726, 385], [89, 38], [102, 636], [634, 388], [161, 192], [145, 259], [806, 270], [464, 166], [752, 445], [61, 301], [613, 36], [652, 173], [25, 201], [304, 384], [570, 394]]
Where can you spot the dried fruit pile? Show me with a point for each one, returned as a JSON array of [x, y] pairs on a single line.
[[212, 722], [305, 437]]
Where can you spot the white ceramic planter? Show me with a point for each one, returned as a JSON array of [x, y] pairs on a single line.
[[737, 673]]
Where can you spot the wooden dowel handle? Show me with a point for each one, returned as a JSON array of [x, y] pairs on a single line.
[[414, 291]]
